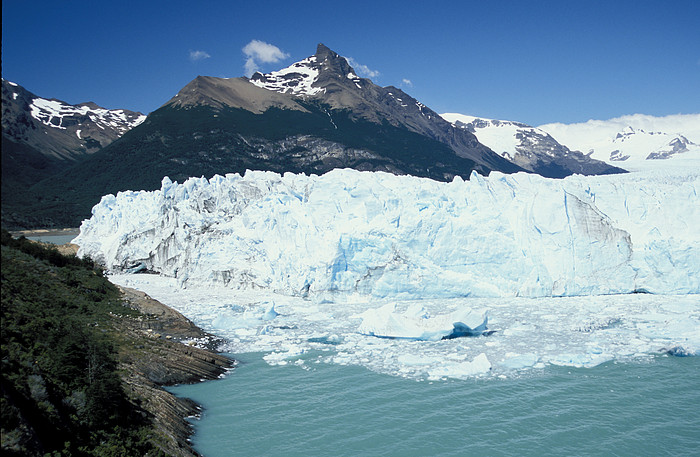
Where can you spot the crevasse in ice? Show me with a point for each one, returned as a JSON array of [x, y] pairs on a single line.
[[380, 235]]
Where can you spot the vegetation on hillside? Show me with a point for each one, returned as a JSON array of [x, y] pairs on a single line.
[[61, 391]]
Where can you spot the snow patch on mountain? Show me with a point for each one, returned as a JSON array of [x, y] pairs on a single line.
[[297, 79], [500, 136], [53, 113], [376, 234]]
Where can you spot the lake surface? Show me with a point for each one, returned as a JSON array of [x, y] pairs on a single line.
[[53, 239], [51, 236], [649, 407]]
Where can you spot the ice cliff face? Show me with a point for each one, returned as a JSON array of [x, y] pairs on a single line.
[[350, 232]]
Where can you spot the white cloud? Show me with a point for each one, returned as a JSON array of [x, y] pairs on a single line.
[[258, 52], [407, 82], [198, 55], [362, 70]]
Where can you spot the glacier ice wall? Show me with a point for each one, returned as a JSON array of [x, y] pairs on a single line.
[[350, 232]]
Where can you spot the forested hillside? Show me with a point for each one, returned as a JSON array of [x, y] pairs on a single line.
[[61, 392]]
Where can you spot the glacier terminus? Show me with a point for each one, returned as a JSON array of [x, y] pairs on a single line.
[[383, 235]]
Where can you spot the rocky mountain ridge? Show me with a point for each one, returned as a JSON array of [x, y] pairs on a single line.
[[58, 129], [529, 147], [329, 78]]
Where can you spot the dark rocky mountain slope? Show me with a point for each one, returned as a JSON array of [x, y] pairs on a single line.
[[42, 137]]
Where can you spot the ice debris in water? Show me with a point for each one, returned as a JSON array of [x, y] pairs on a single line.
[[270, 313], [532, 333], [680, 351]]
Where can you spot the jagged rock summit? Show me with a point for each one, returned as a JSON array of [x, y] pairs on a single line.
[[311, 76], [342, 120], [328, 80]]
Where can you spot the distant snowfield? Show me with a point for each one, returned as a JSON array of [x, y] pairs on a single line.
[[635, 143], [291, 265], [634, 137]]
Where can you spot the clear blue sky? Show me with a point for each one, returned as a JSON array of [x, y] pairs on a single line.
[[529, 61]]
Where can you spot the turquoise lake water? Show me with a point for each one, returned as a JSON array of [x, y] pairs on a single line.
[[648, 407]]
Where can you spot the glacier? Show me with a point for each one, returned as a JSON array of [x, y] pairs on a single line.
[[376, 234], [313, 269]]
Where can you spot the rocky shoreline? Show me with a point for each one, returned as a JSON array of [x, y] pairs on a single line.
[[161, 348]]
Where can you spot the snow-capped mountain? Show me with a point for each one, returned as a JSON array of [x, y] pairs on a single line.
[[529, 147], [636, 141], [58, 129], [328, 83], [40, 139]]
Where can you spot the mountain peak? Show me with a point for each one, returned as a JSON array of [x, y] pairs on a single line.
[[323, 52], [310, 76], [331, 62]]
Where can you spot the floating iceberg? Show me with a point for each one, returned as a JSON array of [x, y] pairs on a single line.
[[270, 314], [417, 324]]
